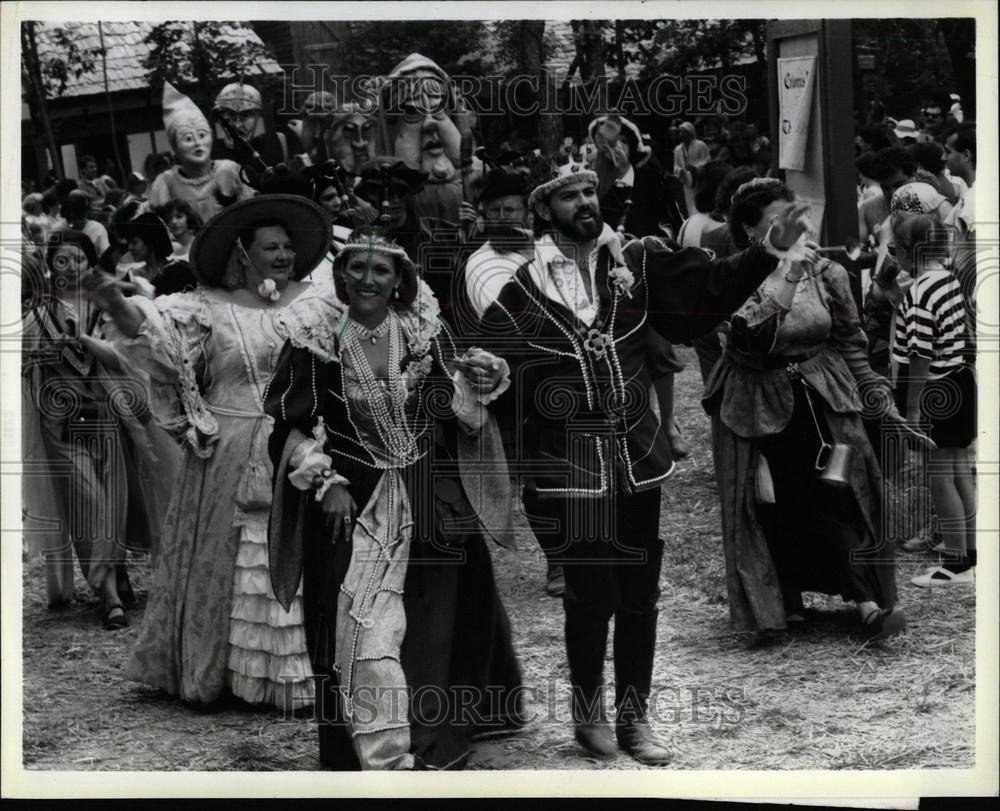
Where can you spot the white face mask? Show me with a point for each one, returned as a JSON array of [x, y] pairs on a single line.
[[192, 141]]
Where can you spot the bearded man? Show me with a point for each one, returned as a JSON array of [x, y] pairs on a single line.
[[572, 324]]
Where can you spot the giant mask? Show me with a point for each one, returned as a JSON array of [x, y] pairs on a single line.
[[424, 123], [188, 131], [418, 109], [351, 138]]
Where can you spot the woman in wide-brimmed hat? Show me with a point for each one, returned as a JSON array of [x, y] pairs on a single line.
[[212, 620], [375, 515]]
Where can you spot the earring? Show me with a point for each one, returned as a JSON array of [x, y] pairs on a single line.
[[395, 292]]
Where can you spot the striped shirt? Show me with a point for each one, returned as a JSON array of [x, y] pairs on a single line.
[[930, 322]]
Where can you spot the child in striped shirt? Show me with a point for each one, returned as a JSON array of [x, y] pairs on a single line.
[[935, 387]]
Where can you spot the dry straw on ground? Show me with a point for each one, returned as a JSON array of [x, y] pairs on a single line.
[[814, 698]]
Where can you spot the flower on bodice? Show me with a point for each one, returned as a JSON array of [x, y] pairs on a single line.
[[622, 280], [417, 369], [268, 290]]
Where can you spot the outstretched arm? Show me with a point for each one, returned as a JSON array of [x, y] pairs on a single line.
[[690, 293]]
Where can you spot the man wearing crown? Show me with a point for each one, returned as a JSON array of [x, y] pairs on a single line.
[[208, 185], [572, 323]]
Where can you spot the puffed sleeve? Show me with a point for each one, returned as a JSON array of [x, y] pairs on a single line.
[[293, 399], [169, 355], [690, 292], [754, 326]]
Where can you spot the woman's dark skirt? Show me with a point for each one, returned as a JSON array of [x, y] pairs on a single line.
[[818, 537]]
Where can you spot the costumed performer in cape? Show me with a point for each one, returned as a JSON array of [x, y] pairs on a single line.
[[376, 511]]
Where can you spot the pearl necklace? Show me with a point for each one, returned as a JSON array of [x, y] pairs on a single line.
[[372, 334], [389, 420]]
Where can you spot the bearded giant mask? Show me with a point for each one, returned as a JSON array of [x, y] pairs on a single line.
[[418, 108]]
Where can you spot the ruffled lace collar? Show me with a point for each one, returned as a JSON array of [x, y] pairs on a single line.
[[317, 327]]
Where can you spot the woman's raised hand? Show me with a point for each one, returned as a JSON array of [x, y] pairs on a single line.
[[791, 224]]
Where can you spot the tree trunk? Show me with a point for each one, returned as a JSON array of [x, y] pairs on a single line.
[[38, 101], [960, 39], [592, 65], [532, 63], [619, 48], [111, 109]]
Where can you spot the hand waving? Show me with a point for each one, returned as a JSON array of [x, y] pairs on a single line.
[[791, 224]]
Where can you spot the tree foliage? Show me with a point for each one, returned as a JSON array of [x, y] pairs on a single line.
[[912, 65], [62, 59], [200, 53], [375, 48]]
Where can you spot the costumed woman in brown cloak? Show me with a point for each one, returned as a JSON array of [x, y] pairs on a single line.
[[375, 509]]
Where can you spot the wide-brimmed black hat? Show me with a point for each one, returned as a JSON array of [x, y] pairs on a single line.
[[375, 174], [307, 224], [151, 230]]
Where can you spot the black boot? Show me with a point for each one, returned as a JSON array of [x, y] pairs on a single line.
[[586, 642], [635, 644]]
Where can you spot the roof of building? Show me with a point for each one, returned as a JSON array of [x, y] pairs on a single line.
[[126, 51]]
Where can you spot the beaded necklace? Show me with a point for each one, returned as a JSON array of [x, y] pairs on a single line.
[[388, 419], [372, 334]]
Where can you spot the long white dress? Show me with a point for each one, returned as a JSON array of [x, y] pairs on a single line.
[[212, 619]]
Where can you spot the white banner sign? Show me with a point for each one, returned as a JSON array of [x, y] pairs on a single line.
[[796, 79]]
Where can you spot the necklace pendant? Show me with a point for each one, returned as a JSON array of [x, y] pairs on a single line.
[[374, 340]]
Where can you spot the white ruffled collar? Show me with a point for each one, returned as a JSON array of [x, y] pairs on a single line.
[[320, 329]]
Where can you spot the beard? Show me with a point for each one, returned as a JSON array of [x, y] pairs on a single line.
[[575, 227]]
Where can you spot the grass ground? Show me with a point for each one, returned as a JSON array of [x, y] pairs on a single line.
[[814, 698]]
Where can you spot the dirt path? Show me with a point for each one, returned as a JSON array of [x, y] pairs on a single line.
[[816, 698]]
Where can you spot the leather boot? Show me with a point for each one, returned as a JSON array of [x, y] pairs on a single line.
[[586, 642], [635, 645], [636, 737], [590, 725], [555, 580]]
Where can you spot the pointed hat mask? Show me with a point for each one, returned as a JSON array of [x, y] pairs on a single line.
[[178, 110]]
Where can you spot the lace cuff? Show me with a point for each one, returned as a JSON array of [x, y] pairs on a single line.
[[470, 408], [309, 462]]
